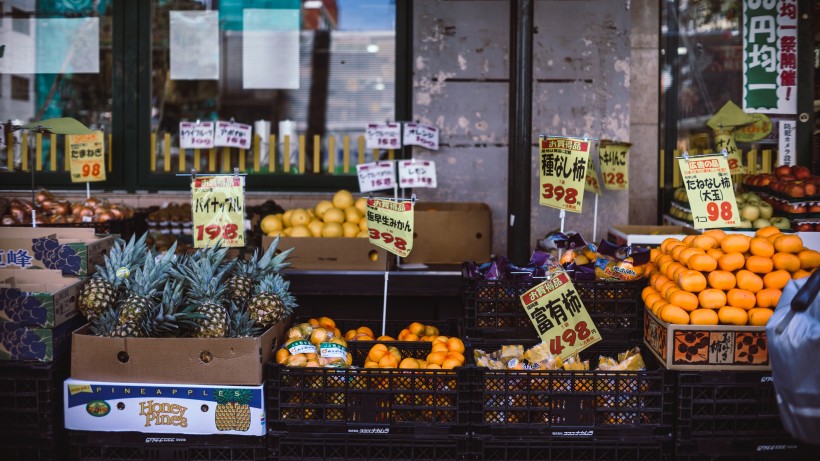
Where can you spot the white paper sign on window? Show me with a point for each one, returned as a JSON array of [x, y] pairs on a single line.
[[232, 134], [196, 135], [417, 173], [194, 40], [270, 49], [62, 46], [383, 136], [787, 140], [416, 134], [376, 176]]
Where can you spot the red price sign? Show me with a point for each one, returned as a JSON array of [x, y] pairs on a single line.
[[580, 332], [708, 184], [592, 184], [218, 204], [387, 238], [216, 231], [563, 172], [390, 225], [568, 195], [86, 157]]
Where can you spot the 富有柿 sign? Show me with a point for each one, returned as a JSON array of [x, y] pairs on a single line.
[[708, 184], [390, 224], [86, 157], [218, 205], [562, 172], [770, 56]]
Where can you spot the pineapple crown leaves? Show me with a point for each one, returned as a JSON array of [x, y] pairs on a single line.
[[276, 284], [153, 273], [105, 323], [122, 255], [273, 262], [169, 317], [241, 324], [205, 277]]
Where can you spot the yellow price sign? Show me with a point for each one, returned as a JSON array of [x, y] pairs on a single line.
[[390, 225], [86, 157], [563, 172], [218, 204], [592, 184], [614, 164], [559, 316], [725, 139], [708, 184]]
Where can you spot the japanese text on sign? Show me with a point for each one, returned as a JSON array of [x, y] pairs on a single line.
[[416, 134], [376, 176], [770, 56], [563, 165], [787, 130], [387, 136], [86, 157], [725, 139], [559, 316], [613, 159], [18, 257], [218, 210], [231, 134], [390, 225], [711, 195], [417, 173], [592, 184], [196, 135]]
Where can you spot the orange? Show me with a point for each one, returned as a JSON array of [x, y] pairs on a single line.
[[314, 323], [703, 263], [350, 334], [410, 337], [692, 281], [788, 243], [768, 297], [722, 280], [800, 274], [767, 231], [449, 364], [743, 299], [416, 328], [809, 259], [369, 364], [716, 234], [711, 298], [327, 323], [732, 261], [441, 347], [441, 339], [674, 314], [735, 243], [395, 353], [684, 299], [786, 261], [455, 345], [704, 242], [433, 366], [760, 246], [403, 334], [715, 253], [749, 281], [759, 264], [729, 315], [455, 355], [777, 279], [385, 338], [409, 363], [436, 358], [687, 253], [388, 361], [366, 330], [759, 316], [703, 317], [377, 352], [282, 355]]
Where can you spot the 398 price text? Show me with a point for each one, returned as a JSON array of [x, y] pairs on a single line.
[[569, 195], [214, 231], [388, 238]]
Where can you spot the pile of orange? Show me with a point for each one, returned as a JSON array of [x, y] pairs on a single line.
[[719, 278], [445, 353], [416, 331]]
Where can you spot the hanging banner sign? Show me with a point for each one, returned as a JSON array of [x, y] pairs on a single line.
[[196, 135], [376, 176], [563, 172], [218, 204], [416, 134], [725, 139], [384, 136], [592, 183], [770, 56], [232, 134], [86, 157], [708, 184], [614, 164], [390, 225], [417, 173], [787, 137], [559, 316]]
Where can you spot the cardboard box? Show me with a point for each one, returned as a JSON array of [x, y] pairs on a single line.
[[333, 253], [33, 297], [451, 233], [645, 236], [707, 347], [32, 343], [163, 409], [74, 251], [222, 361]]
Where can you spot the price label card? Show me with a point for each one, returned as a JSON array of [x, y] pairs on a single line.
[[232, 134], [376, 176], [614, 164], [592, 184], [559, 316], [417, 173], [708, 184], [563, 172], [416, 134], [384, 136], [390, 225], [86, 157], [725, 139], [218, 204], [196, 135]]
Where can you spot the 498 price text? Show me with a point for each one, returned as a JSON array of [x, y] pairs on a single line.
[[580, 331]]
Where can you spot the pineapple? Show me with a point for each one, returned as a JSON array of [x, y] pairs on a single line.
[[205, 277], [142, 292], [170, 317], [101, 291], [242, 326], [271, 301], [248, 273]]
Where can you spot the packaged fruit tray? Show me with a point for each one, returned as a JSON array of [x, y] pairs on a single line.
[[533, 449], [393, 328], [31, 400], [493, 310], [138, 446]]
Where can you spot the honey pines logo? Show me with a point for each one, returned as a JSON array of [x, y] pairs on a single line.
[[163, 414]]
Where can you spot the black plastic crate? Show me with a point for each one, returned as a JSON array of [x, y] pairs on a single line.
[[574, 404], [727, 404], [137, 446], [31, 399], [365, 447], [535, 449], [493, 310], [35, 448], [745, 448]]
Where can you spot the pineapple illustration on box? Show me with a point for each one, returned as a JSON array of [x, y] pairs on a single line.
[[233, 411]]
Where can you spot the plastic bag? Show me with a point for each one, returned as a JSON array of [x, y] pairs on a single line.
[[793, 333]]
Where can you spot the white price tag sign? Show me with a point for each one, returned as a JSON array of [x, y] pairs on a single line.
[[376, 176], [417, 173], [385, 136], [416, 134], [196, 135], [232, 134]]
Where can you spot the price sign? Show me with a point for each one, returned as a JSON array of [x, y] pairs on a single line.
[[563, 172], [196, 135], [86, 157], [417, 173], [386, 136], [614, 164], [376, 176], [708, 184], [559, 316], [390, 225], [725, 139], [218, 210], [592, 184], [416, 134], [232, 134]]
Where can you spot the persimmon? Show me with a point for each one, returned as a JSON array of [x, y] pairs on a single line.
[[716, 234], [670, 285], [715, 253], [685, 300], [674, 314], [687, 253], [692, 281], [647, 291], [658, 305], [743, 299], [759, 316], [704, 242], [732, 261], [669, 241], [799, 274], [711, 298], [735, 243], [721, 280], [788, 243], [729, 315], [654, 254], [809, 259], [676, 251], [767, 231], [671, 269], [703, 317], [759, 246], [777, 279], [659, 281], [747, 280], [768, 297], [650, 300], [703, 263], [786, 261], [688, 239], [759, 264]]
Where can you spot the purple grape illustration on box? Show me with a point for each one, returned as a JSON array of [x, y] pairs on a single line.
[[23, 307], [56, 256]]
